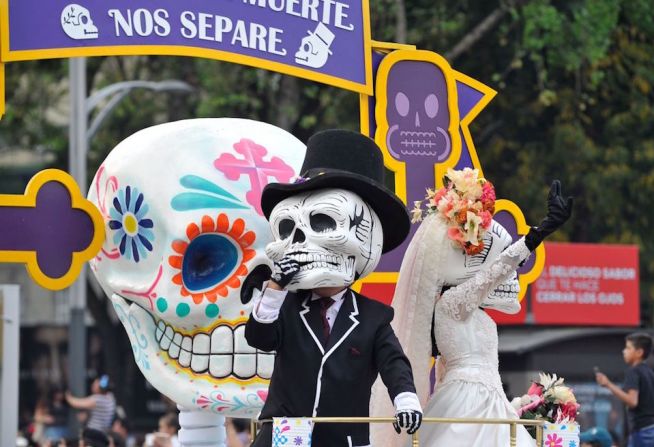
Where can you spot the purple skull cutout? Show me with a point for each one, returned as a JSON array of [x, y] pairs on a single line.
[[417, 113]]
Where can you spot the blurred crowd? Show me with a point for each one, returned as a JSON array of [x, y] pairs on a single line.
[[104, 423]]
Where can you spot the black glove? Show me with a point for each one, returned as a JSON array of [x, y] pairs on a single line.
[[558, 212], [408, 419], [284, 271]]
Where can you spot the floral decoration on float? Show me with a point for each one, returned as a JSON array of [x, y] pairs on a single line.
[[549, 400]]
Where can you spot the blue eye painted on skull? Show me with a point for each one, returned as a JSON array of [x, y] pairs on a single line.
[[209, 259], [213, 258]]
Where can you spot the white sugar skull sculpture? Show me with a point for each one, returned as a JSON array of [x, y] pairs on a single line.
[[184, 250], [334, 235]]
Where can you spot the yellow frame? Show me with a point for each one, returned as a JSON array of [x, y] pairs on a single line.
[[78, 201], [398, 167], [6, 55], [523, 228], [2, 89]]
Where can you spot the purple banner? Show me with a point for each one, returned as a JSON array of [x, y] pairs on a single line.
[[324, 40]]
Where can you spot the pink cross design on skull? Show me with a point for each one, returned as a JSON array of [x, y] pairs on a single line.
[[254, 166]]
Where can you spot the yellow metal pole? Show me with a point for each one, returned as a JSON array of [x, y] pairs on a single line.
[[513, 424], [253, 429], [414, 440]]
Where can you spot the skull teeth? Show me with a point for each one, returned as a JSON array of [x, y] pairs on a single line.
[[221, 354], [310, 261]]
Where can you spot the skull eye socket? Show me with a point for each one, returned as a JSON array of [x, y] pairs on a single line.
[[321, 223], [431, 105], [402, 104], [208, 260], [286, 228], [307, 47], [83, 19]]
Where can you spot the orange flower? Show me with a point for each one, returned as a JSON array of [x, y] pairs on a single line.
[[462, 215], [240, 238], [474, 249]]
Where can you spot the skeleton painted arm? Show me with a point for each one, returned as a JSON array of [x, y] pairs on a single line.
[[460, 301]]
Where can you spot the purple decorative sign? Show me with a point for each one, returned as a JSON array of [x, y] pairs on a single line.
[[51, 228], [324, 40]]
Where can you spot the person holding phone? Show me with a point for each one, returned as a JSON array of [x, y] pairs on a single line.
[[637, 393]]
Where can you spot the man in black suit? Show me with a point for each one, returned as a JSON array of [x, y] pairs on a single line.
[[330, 229]]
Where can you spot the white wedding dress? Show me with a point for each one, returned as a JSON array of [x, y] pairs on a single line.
[[471, 386]]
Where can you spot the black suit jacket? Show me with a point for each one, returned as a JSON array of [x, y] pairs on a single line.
[[310, 379]]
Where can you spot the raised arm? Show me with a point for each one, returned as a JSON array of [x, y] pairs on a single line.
[[80, 403], [460, 301]]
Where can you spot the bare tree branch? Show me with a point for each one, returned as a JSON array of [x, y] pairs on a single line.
[[400, 24], [478, 32]]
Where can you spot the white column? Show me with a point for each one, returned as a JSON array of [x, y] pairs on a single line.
[[10, 318], [201, 428]]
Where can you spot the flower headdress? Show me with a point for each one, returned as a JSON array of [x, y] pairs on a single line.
[[466, 203]]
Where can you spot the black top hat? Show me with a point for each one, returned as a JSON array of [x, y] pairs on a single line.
[[347, 160]]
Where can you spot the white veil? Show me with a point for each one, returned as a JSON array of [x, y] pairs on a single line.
[[413, 302]]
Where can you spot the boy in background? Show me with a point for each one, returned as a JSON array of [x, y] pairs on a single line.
[[637, 392]]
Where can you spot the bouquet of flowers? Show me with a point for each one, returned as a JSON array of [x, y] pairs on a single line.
[[466, 203], [548, 400]]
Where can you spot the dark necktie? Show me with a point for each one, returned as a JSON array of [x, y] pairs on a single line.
[[325, 303]]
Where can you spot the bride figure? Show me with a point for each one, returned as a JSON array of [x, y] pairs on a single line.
[[459, 262]]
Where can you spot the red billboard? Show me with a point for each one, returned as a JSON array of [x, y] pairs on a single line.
[[587, 284]]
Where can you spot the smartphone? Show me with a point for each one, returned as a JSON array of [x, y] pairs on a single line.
[[596, 369]]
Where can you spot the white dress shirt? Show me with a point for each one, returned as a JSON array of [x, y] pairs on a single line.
[[267, 304]]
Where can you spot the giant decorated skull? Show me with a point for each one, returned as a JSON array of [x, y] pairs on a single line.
[[333, 234], [459, 267], [185, 249]]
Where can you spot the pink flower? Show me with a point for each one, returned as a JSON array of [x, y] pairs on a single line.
[[455, 234], [535, 403], [487, 192], [569, 410], [486, 218], [553, 440], [439, 195], [535, 389]]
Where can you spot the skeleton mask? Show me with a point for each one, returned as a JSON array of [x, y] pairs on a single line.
[[77, 23], [417, 112], [459, 267], [314, 49], [184, 247], [334, 235]]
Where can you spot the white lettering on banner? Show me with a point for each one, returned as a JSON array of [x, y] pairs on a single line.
[[556, 297], [333, 12], [219, 29], [571, 297], [575, 271], [618, 273], [590, 272], [143, 21]]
